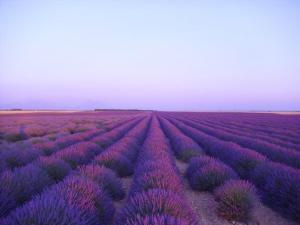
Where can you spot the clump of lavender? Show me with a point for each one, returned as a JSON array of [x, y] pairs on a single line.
[[78, 154], [280, 187], [55, 167], [18, 155], [106, 178], [20, 185], [235, 200], [206, 173], [47, 209], [14, 134], [211, 176], [85, 195], [198, 162], [116, 162], [156, 202], [157, 179], [47, 147]]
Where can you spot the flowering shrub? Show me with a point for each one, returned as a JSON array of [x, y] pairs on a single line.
[[48, 147], [35, 131], [116, 162], [68, 140], [86, 196], [157, 179], [235, 200], [156, 202], [273, 152], [185, 148], [110, 137], [55, 167], [20, 185], [106, 178], [47, 209], [14, 134], [78, 154], [211, 174], [197, 163], [19, 155], [242, 160]]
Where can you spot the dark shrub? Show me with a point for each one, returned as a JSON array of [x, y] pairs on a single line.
[[188, 153], [235, 200], [211, 176], [106, 178], [55, 167], [156, 202]]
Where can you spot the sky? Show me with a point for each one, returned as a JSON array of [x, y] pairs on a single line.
[[164, 55]]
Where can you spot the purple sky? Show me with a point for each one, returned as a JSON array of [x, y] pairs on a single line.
[[156, 55]]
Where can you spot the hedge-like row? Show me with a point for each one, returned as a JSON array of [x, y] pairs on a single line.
[[20, 185], [252, 134], [20, 154], [278, 184], [157, 190], [273, 152], [185, 148], [121, 156], [83, 197]]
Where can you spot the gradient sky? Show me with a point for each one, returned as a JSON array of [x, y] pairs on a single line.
[[184, 55]]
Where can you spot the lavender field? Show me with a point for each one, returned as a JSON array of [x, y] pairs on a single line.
[[149, 167]]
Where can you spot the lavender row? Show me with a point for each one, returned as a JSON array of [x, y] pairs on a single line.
[[185, 148], [20, 185], [156, 195], [273, 152], [21, 154], [250, 134], [122, 155], [235, 197], [278, 184], [283, 133], [93, 205], [257, 122]]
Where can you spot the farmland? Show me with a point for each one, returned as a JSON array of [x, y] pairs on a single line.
[[144, 167]]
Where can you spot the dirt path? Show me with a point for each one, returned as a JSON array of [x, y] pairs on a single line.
[[204, 206]]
